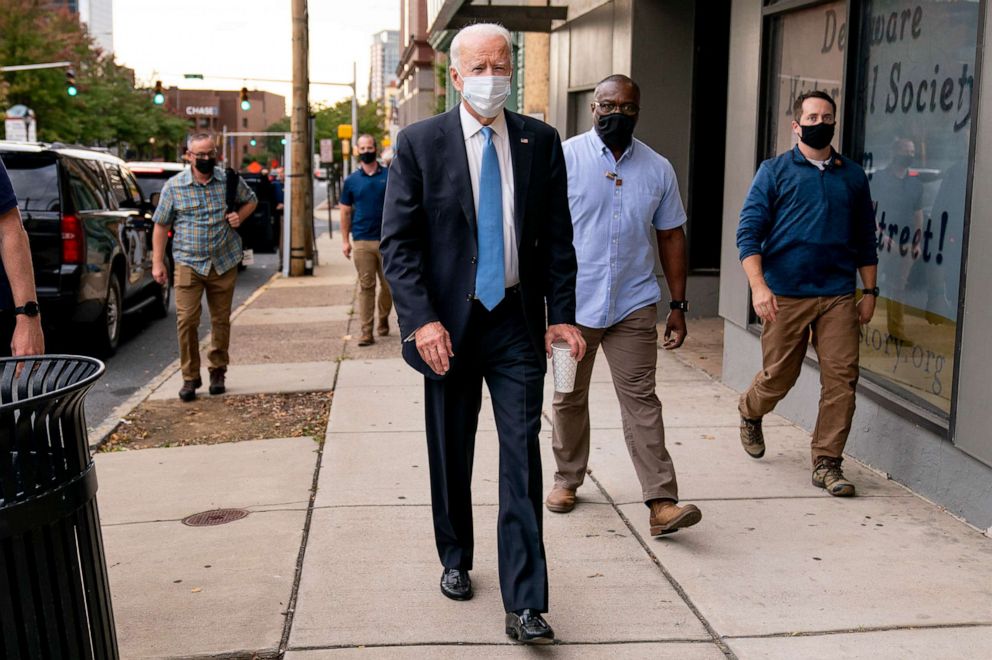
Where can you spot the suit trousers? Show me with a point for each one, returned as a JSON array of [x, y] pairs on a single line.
[[631, 348], [498, 350], [368, 263], [833, 324], [190, 287]]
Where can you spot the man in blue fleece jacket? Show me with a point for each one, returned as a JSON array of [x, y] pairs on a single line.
[[807, 227]]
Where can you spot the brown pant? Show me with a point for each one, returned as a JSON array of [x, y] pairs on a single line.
[[368, 263], [833, 322], [190, 287], [631, 348]]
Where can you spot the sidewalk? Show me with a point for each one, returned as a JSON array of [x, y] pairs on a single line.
[[776, 569]]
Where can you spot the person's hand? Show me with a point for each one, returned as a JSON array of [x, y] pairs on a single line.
[[28, 339], [233, 219], [346, 248], [567, 333], [434, 345], [866, 309], [763, 300], [675, 330], [159, 272]]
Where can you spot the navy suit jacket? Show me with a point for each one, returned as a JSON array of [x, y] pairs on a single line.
[[429, 245]]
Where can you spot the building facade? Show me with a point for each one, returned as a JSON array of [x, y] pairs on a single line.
[[415, 76], [385, 58], [219, 112], [98, 15]]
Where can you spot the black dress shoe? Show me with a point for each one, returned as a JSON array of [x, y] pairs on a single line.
[[529, 627], [456, 584]]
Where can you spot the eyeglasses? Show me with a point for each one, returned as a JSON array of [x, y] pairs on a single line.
[[200, 156], [609, 107]]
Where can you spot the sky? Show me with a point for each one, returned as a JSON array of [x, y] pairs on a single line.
[[247, 39]]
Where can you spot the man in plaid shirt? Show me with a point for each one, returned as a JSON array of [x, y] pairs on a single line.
[[207, 251]]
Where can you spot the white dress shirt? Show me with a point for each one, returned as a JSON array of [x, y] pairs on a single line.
[[474, 143]]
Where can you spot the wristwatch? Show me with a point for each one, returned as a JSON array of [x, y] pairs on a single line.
[[870, 292], [30, 308], [679, 304]]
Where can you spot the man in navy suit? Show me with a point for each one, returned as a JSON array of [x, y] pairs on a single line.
[[477, 249]]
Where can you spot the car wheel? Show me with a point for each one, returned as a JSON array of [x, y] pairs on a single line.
[[107, 328], [163, 295]]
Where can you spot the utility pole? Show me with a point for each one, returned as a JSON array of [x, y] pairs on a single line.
[[354, 110], [301, 185]]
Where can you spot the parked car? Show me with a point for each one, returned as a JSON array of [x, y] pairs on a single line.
[[152, 176], [91, 239], [260, 232]]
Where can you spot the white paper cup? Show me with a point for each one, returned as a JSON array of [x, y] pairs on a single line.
[[563, 365]]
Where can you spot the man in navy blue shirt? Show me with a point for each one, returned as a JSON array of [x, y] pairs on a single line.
[[20, 322], [806, 229], [361, 202]]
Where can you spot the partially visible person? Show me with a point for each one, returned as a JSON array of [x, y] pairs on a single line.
[[20, 320], [806, 230], [207, 250], [633, 208], [362, 198]]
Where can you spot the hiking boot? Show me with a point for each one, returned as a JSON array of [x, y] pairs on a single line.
[[560, 499], [217, 381], [188, 391], [383, 329], [368, 340], [827, 474], [752, 437], [667, 516]]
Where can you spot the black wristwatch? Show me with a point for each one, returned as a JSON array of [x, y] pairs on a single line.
[[679, 304], [870, 292], [30, 308]]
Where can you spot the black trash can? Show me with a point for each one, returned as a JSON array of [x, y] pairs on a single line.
[[54, 592]]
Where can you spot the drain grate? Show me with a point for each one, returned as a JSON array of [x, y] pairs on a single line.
[[215, 517]]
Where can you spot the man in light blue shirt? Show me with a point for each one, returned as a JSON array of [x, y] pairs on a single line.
[[623, 197]]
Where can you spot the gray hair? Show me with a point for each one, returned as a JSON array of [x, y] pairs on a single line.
[[477, 30]]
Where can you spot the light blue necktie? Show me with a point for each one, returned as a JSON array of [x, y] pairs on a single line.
[[490, 286]]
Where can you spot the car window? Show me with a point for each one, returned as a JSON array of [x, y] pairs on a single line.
[[117, 190], [85, 184], [35, 178], [133, 192]]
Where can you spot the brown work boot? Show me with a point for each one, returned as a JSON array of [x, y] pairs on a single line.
[[667, 516], [367, 340], [752, 437], [188, 391], [217, 381], [827, 474], [560, 499], [383, 329]]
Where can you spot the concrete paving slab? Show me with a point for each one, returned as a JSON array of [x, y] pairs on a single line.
[[389, 409], [329, 279], [295, 342], [310, 296], [388, 372], [182, 591], [603, 587], [170, 484], [872, 645], [261, 379], [764, 567], [662, 651], [289, 315], [710, 464]]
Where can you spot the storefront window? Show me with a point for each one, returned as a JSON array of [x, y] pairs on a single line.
[[806, 53], [918, 81]]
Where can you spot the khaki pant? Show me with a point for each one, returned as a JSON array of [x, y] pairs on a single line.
[[368, 263], [631, 348], [190, 287], [833, 323]]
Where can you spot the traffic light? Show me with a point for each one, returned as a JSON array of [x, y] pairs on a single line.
[[70, 83], [245, 103], [159, 97], [253, 142]]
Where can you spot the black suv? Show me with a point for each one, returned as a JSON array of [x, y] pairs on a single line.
[[91, 239]]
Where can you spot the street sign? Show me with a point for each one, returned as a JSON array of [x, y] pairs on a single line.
[[386, 142], [327, 150], [344, 131], [193, 76]]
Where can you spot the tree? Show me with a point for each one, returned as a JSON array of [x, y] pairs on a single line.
[[108, 111]]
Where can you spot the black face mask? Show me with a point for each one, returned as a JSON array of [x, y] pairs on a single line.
[[367, 157], [902, 160], [818, 136], [205, 165], [616, 130]]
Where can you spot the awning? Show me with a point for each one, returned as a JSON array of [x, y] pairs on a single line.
[[514, 15]]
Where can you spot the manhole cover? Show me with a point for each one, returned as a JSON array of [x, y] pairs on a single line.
[[215, 517]]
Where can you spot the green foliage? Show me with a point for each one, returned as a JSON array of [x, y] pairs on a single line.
[[108, 110]]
